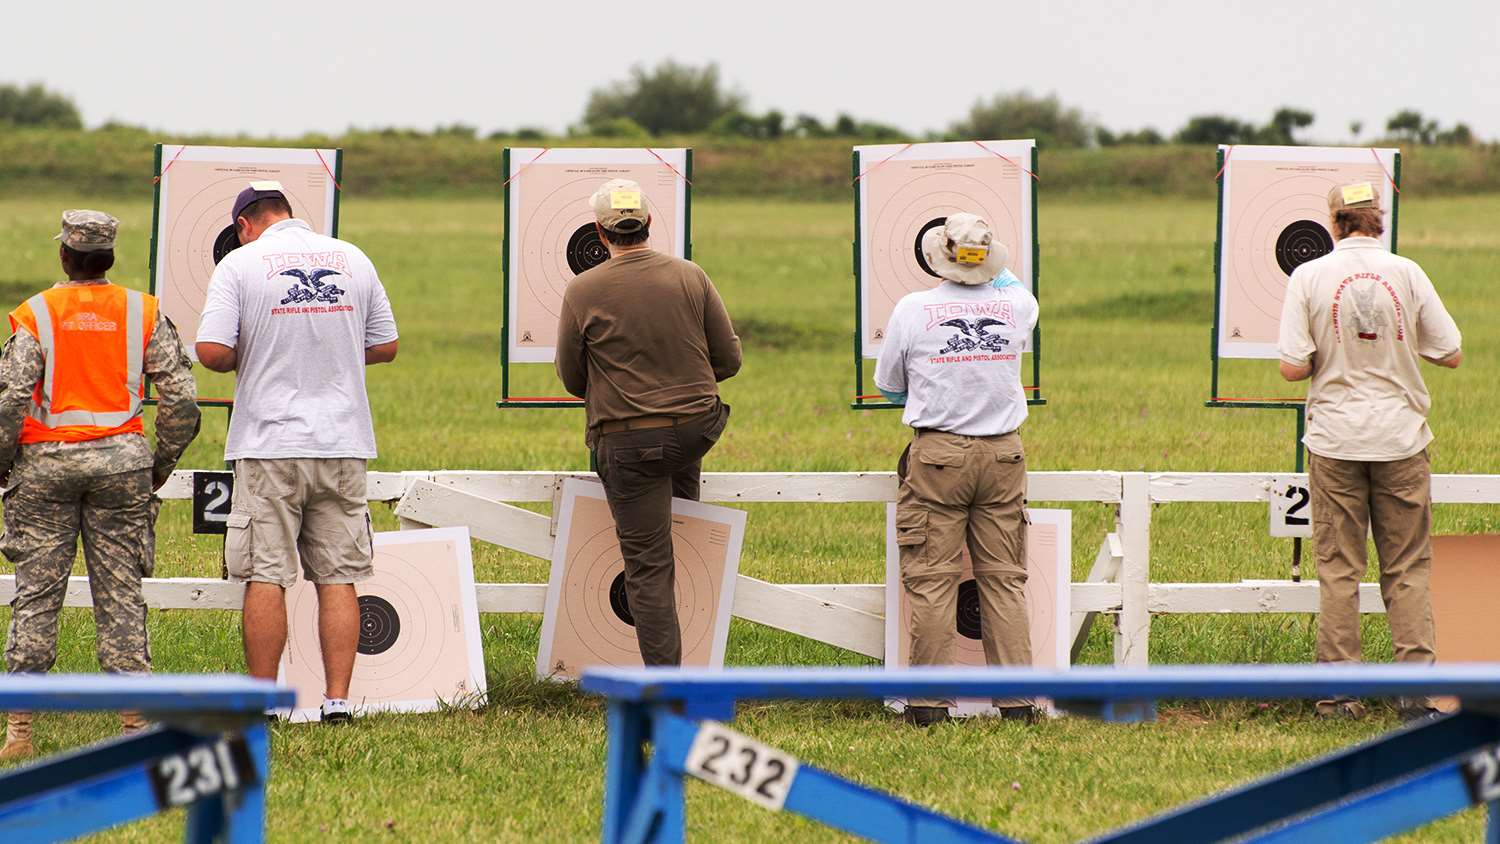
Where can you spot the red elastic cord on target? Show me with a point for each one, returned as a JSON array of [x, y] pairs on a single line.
[[877, 165], [518, 173], [336, 185], [156, 180], [1228, 151], [668, 166], [1007, 160], [1395, 187]]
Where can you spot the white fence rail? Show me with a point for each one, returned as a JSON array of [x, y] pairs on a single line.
[[846, 615]]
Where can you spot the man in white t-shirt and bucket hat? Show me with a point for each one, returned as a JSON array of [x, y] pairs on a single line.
[[1359, 321], [952, 356]]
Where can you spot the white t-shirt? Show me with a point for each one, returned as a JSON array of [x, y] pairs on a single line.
[[300, 308], [955, 350], [1364, 317]]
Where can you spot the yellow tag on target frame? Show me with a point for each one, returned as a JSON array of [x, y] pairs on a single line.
[[1357, 194], [971, 254], [625, 200]]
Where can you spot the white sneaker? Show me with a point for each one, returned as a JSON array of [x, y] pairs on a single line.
[[336, 711]]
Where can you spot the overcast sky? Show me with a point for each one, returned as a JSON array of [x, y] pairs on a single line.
[[278, 68]]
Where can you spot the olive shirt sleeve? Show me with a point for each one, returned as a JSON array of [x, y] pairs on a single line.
[[21, 367], [572, 358], [723, 344], [171, 374]]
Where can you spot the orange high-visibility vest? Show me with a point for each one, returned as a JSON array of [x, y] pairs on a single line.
[[94, 337]]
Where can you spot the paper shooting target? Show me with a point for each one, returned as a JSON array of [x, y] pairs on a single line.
[[1275, 218], [549, 228], [903, 191], [194, 199], [1049, 552], [419, 639], [588, 620]]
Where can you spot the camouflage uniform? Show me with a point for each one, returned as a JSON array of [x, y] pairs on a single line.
[[100, 489]]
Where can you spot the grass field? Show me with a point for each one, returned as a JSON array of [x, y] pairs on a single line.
[[1126, 303]]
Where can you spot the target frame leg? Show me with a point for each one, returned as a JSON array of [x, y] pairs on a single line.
[[627, 725]]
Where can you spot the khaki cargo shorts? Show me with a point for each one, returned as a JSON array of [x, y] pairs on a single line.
[[310, 509]]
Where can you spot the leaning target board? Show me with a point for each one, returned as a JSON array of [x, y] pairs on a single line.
[[195, 192], [419, 646], [587, 621], [1049, 563], [1273, 217], [550, 235], [902, 191]]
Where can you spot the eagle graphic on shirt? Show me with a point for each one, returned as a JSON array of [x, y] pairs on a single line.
[[312, 288], [974, 334], [1368, 320]]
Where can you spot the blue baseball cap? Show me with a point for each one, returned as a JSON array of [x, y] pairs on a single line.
[[254, 193]]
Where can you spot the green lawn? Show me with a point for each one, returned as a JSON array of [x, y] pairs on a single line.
[[1126, 302]]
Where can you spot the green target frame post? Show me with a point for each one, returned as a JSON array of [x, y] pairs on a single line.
[[862, 401]]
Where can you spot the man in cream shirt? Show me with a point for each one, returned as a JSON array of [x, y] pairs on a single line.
[[1358, 321]]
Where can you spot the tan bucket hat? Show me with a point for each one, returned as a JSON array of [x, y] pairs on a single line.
[[620, 206], [964, 250]]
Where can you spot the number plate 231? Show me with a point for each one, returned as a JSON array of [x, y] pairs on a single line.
[[740, 764], [182, 778]]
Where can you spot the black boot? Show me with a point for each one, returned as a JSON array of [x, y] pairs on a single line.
[[1024, 712]]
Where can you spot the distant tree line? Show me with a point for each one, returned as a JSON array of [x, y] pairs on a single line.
[[34, 105], [678, 99]]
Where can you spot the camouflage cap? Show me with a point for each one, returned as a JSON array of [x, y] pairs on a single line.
[[619, 206], [88, 231]]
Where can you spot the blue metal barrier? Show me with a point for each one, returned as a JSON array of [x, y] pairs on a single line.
[[210, 753], [1412, 776]]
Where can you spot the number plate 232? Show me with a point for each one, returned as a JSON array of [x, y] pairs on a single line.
[[1481, 773], [740, 764]]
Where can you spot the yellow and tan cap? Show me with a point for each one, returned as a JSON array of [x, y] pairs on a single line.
[[1355, 195], [620, 206], [88, 231]]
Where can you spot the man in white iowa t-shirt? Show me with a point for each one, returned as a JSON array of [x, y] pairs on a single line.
[[298, 316], [952, 354], [1359, 321]]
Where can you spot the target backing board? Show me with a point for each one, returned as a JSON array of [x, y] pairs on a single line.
[[550, 235], [904, 190], [1049, 576], [419, 641], [588, 623], [195, 195], [1273, 205]]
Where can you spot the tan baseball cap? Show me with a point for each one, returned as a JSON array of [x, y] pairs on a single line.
[[1356, 195], [963, 249], [620, 206], [88, 231]]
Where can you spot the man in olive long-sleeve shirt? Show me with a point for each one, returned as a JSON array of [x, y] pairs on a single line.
[[644, 340]]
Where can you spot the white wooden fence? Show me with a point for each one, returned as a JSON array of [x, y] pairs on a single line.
[[846, 615]]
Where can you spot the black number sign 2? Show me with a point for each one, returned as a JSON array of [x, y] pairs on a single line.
[[1300, 498]]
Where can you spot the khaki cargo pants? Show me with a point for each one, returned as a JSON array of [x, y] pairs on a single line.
[[1393, 500], [961, 492]]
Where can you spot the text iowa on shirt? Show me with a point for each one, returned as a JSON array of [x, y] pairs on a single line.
[[278, 262], [943, 311]]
